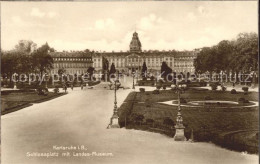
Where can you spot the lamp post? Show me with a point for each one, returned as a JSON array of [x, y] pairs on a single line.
[[179, 134], [114, 119], [15, 80]]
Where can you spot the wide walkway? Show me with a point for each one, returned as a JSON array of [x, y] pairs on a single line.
[[80, 118]]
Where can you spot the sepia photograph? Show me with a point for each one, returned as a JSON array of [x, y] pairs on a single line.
[[129, 82]]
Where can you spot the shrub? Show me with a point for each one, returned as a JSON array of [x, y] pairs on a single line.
[[137, 118], [92, 83], [164, 87], [242, 100], [152, 78], [182, 100], [149, 121], [56, 90], [158, 87], [141, 89], [233, 91], [156, 92], [173, 87], [213, 87], [245, 89], [223, 88], [169, 122], [145, 83], [42, 91], [208, 98]]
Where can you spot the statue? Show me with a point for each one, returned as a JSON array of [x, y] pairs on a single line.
[[105, 66]]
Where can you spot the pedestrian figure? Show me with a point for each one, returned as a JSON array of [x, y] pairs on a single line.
[[65, 88], [81, 86], [71, 86], [233, 84]]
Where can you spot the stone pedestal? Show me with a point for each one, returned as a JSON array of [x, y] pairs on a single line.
[[179, 134], [114, 122]]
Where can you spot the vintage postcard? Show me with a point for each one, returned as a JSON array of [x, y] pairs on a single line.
[[129, 82]]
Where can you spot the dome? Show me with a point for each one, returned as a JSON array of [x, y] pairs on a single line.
[[135, 44]]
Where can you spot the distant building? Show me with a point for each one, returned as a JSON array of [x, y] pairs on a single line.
[[78, 62], [179, 61], [73, 62]]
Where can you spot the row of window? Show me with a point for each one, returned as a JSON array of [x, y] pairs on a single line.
[[136, 59], [71, 65], [72, 59], [75, 71]]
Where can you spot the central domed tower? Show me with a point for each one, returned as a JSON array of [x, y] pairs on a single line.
[[135, 44]]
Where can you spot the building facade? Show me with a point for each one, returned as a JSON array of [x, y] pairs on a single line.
[[72, 62], [78, 62], [178, 61]]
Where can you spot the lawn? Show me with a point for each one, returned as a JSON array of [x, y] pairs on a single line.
[[17, 100], [236, 128]]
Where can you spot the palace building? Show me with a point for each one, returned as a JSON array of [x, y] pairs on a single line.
[[78, 62], [72, 62]]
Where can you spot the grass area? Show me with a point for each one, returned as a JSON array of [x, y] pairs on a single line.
[[14, 101], [236, 128]]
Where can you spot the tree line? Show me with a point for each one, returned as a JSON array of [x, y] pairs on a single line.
[[231, 57], [25, 58]]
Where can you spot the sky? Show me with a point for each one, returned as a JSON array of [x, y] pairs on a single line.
[[108, 26]]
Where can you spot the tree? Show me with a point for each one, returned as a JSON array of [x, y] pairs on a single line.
[[205, 60], [90, 71], [236, 56], [42, 61], [27, 46], [224, 54], [14, 62], [246, 52], [144, 71], [8, 64], [165, 70]]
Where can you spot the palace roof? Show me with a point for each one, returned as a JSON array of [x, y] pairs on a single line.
[[78, 54], [150, 53]]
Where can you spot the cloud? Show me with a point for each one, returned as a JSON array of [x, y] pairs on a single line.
[[103, 24], [191, 16], [52, 14], [205, 12], [17, 20], [149, 22], [201, 9], [37, 13], [96, 45]]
